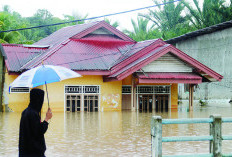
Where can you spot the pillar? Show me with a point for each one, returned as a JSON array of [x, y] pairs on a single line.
[[191, 87], [2, 77], [133, 94]]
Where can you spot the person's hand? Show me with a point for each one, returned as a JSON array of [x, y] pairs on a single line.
[[48, 115]]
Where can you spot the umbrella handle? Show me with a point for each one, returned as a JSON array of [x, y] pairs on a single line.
[[47, 94]]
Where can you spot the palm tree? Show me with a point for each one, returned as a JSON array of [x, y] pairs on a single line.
[[168, 19], [115, 24], [212, 12], [142, 30]]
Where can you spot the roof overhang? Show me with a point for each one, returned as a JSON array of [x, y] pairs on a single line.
[[189, 78], [93, 72]]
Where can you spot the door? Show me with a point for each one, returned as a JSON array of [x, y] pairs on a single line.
[[73, 103], [91, 103], [145, 102], [161, 102]]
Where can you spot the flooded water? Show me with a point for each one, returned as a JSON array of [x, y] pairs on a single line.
[[114, 133]]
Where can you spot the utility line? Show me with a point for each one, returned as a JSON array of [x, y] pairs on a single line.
[[91, 18]]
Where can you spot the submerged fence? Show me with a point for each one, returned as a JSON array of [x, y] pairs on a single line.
[[215, 136]]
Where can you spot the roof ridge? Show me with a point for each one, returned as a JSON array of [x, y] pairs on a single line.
[[69, 35]]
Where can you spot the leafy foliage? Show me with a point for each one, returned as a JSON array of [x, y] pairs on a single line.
[[115, 24], [212, 12], [13, 20], [142, 30], [168, 21]]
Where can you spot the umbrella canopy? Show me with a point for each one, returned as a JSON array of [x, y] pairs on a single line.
[[43, 74]]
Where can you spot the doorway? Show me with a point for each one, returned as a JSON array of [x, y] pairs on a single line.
[[91, 103], [145, 102], [161, 102], [73, 103]]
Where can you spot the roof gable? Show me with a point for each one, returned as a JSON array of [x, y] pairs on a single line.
[[157, 53], [103, 28], [80, 31], [63, 34], [167, 63]]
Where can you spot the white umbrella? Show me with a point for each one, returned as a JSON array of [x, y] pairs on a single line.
[[41, 75]]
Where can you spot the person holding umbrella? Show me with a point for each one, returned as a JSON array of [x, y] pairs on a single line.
[[32, 130]]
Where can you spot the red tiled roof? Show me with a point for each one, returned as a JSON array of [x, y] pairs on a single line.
[[18, 55], [78, 31], [85, 55], [64, 34], [77, 48]]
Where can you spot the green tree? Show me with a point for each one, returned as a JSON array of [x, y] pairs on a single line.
[[142, 30], [12, 20], [7, 21], [114, 24], [212, 12], [42, 17], [74, 16], [169, 19]]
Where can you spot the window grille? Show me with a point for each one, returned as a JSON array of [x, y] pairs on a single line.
[[91, 89], [153, 89], [145, 89], [126, 89], [82, 89], [20, 90], [73, 89], [162, 89]]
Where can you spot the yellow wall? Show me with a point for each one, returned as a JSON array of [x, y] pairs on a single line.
[[174, 96], [110, 94], [16, 102]]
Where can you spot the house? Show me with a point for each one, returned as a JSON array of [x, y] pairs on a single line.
[[118, 72], [212, 47]]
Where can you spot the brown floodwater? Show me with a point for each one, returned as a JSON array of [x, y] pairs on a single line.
[[114, 133]]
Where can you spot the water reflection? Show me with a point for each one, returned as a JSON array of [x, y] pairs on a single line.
[[113, 133]]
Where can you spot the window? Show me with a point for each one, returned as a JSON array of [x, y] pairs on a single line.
[[153, 89], [80, 98], [145, 89], [73, 89], [20, 90], [91, 89], [82, 89], [162, 89], [126, 89]]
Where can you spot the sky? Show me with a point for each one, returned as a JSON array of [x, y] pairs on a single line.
[[91, 7]]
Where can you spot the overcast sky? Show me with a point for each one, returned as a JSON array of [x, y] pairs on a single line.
[[91, 7]]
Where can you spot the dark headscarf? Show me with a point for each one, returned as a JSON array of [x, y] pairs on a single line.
[[32, 130], [36, 99]]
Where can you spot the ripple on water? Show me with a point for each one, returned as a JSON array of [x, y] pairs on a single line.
[[112, 133]]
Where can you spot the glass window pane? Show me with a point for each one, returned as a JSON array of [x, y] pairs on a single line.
[[68, 103]]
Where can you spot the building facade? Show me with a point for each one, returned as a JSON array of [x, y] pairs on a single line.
[[212, 47], [117, 72]]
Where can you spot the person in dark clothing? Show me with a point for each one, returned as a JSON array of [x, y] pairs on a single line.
[[32, 130]]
